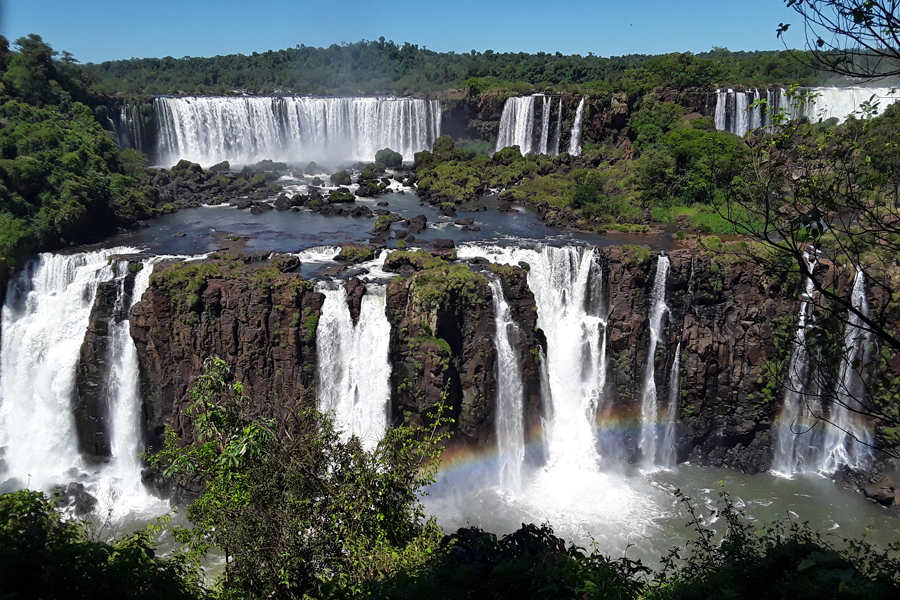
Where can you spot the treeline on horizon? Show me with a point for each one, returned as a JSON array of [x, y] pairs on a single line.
[[371, 67]]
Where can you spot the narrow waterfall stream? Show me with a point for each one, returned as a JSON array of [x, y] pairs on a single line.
[[848, 435], [577, 128], [546, 104], [354, 371], [509, 418], [797, 429], [649, 441], [667, 457]]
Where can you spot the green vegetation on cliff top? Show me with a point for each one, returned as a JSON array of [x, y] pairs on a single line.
[[383, 66]]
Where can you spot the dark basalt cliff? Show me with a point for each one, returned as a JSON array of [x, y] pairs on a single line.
[[734, 325], [722, 314]]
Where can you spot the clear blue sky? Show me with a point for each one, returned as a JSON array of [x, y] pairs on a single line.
[[98, 30]]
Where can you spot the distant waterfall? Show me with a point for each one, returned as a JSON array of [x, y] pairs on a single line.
[[546, 105], [734, 111], [567, 287], [509, 419], [48, 305], [558, 139], [575, 140], [247, 129], [354, 370], [847, 433], [796, 432], [518, 126], [648, 443]]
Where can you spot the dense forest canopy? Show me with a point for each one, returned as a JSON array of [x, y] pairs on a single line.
[[386, 67]]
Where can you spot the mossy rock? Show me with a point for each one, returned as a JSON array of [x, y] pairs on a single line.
[[355, 253], [409, 261]]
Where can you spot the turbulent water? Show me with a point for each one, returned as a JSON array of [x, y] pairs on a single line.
[[247, 129], [739, 112], [354, 370]]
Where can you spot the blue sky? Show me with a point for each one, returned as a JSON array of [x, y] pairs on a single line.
[[101, 30]]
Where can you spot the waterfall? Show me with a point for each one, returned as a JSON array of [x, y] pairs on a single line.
[[667, 452], [45, 316], [847, 435], [648, 442], [517, 124], [742, 114], [721, 113], [123, 476], [575, 140], [756, 111], [557, 140], [510, 392], [546, 104], [128, 128], [565, 282], [354, 369], [796, 426], [731, 112], [247, 129]]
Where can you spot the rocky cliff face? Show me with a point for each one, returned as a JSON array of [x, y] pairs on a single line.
[[724, 316], [259, 319], [442, 346], [734, 325]]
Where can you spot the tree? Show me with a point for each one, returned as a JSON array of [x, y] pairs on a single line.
[[856, 38], [294, 503], [44, 554], [824, 204]]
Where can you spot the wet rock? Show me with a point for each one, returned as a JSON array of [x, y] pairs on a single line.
[[444, 244], [356, 289], [467, 221], [382, 203]]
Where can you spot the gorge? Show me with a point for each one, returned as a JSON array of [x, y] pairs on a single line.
[[568, 364]]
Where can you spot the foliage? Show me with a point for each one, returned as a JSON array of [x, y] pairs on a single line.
[[63, 180], [46, 555], [528, 563], [381, 66], [295, 503], [784, 560]]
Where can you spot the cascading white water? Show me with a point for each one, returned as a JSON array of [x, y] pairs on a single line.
[[517, 124], [575, 140], [741, 114], [510, 392], [649, 411], [122, 478], [721, 113], [756, 111], [816, 104], [557, 140], [795, 444], [546, 104], [354, 370], [245, 130], [45, 316], [848, 436], [667, 456], [564, 282]]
